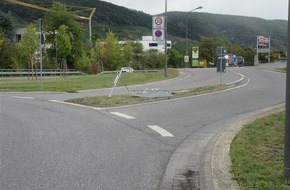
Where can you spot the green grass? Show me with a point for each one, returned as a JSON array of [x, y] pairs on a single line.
[[257, 154], [283, 70], [81, 82], [117, 100]]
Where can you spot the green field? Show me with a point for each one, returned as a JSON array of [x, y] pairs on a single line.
[[81, 82]]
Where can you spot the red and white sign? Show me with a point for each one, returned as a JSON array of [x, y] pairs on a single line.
[[158, 22], [262, 39]]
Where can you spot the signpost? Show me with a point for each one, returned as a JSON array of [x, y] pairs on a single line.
[[263, 46], [159, 33], [158, 28], [41, 42], [221, 65], [287, 112]]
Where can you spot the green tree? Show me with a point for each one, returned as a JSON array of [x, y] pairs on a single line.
[[58, 16], [174, 58], [137, 55], [1, 34], [208, 48], [127, 54], [152, 59], [7, 55], [29, 44], [64, 45], [112, 54], [6, 25]]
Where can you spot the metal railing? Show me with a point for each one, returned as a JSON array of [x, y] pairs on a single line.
[[45, 72]]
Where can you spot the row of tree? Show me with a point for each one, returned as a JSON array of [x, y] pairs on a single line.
[[67, 46]]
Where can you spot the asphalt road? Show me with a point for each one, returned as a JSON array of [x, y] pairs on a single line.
[[46, 144]]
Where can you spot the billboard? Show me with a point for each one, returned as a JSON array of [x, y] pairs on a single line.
[[263, 42], [195, 57], [263, 46]]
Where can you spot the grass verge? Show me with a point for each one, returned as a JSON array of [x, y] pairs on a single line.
[[81, 82], [117, 100], [282, 70], [257, 155]]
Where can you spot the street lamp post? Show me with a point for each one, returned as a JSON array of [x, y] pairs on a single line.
[[165, 41], [186, 30], [287, 111]]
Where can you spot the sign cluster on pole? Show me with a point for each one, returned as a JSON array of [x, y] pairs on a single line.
[[158, 28], [221, 65]]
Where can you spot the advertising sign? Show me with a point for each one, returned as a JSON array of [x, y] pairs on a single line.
[[263, 42], [195, 52], [263, 46]]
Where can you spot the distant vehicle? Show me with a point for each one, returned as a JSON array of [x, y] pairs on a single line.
[[240, 61], [127, 70], [234, 60], [281, 60]]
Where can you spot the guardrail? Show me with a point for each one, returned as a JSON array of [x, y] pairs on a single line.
[[45, 72], [135, 71]]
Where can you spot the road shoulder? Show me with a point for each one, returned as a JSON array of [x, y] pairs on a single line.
[[219, 159]]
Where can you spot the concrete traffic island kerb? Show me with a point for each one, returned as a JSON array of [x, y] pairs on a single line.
[[220, 158]]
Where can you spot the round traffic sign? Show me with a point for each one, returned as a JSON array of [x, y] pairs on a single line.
[[158, 21], [158, 33]]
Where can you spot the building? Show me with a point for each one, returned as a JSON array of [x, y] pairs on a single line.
[[148, 43], [17, 34]]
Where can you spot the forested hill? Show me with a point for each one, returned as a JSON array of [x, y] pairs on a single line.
[[132, 24]]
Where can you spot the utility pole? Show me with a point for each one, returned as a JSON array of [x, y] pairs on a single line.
[[41, 41], [287, 111], [165, 41]]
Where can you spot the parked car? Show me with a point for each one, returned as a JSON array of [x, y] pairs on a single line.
[[281, 60], [127, 70]]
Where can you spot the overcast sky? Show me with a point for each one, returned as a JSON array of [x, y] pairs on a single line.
[[266, 9]]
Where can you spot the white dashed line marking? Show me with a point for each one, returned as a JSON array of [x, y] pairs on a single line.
[[22, 97], [160, 130], [123, 115]]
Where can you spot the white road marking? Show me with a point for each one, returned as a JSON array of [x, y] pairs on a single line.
[[239, 80], [22, 97], [160, 130], [123, 115], [73, 104]]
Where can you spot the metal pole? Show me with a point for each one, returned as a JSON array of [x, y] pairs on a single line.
[[90, 30], [287, 112], [40, 52], [186, 34], [221, 65], [186, 30], [165, 41]]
